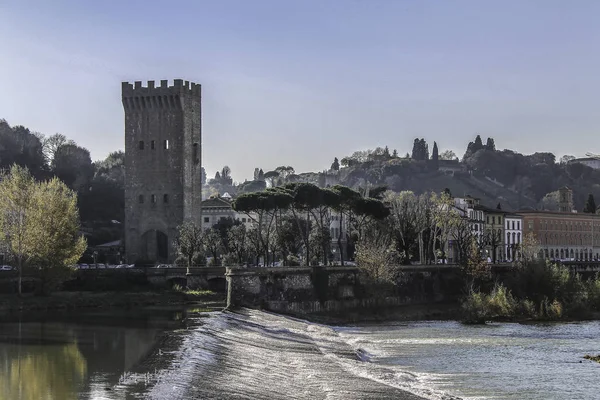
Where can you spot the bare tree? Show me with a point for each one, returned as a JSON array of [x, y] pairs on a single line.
[[188, 242]]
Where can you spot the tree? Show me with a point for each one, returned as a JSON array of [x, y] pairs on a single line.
[[72, 165], [336, 165], [203, 176], [53, 232], [566, 159], [226, 176], [51, 144], [435, 157], [420, 150], [237, 242], [188, 242], [403, 220], [447, 155], [211, 242], [490, 145], [395, 154], [16, 193], [590, 205], [529, 248], [377, 259]]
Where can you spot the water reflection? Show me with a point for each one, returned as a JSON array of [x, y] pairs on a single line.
[[70, 356], [41, 372]]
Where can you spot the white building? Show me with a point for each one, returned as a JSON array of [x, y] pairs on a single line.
[[334, 230], [513, 230], [216, 209], [589, 161], [476, 218]]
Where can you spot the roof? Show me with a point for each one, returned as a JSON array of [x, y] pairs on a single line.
[[584, 159], [116, 243], [490, 210], [558, 213], [216, 202]]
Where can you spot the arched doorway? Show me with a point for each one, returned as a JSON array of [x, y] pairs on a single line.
[[155, 246]]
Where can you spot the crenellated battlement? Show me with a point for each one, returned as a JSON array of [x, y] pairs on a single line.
[[138, 97]]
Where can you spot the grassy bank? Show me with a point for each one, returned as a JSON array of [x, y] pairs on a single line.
[[539, 292], [82, 300]]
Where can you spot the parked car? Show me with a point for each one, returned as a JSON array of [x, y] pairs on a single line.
[[6, 268]]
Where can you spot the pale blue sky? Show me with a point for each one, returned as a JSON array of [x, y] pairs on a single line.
[[300, 82]]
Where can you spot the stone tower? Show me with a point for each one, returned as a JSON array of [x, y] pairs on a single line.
[[162, 165], [565, 199]]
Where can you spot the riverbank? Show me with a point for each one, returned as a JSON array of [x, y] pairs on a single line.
[[90, 300], [421, 312]]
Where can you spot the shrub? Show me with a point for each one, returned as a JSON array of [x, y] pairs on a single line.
[[293, 261]]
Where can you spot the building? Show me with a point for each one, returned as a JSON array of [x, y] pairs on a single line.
[[450, 167], [591, 162], [498, 232], [493, 233], [334, 230], [162, 165], [513, 232], [217, 208], [564, 235]]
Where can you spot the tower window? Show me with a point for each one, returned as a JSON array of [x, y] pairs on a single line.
[[195, 154], [141, 199], [165, 198], [141, 145], [153, 198], [166, 144], [152, 144]]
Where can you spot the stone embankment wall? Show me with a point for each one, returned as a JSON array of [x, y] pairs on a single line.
[[308, 290]]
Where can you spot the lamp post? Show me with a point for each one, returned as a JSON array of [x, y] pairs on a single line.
[[95, 260]]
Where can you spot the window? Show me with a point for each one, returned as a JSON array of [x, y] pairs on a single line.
[[141, 145], [153, 198], [206, 220], [493, 220], [243, 219], [195, 155], [166, 144], [165, 198], [141, 199], [152, 144]]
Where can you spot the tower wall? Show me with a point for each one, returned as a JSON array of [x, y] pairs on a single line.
[[162, 165]]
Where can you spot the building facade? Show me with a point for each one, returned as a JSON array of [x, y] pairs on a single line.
[[513, 232], [564, 235], [217, 208], [162, 165]]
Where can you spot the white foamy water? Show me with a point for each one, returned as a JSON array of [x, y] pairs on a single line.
[[257, 355]]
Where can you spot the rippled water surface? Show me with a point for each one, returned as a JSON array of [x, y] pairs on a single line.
[[257, 355]]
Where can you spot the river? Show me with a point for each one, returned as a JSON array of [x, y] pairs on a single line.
[[187, 354]]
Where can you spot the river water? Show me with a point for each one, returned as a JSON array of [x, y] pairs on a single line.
[[186, 354]]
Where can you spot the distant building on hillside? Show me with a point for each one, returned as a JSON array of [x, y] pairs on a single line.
[[589, 161], [450, 166]]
